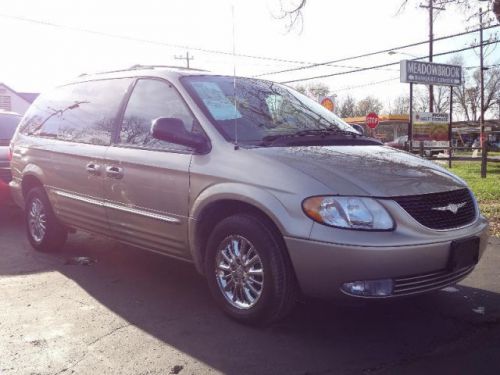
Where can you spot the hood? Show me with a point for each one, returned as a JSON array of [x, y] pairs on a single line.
[[377, 171]]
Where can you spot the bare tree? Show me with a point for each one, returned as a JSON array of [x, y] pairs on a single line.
[[441, 99], [469, 8], [301, 88], [400, 105], [468, 94], [367, 105], [291, 11], [347, 107], [314, 90]]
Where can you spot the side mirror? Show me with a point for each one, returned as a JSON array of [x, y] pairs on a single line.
[[172, 130], [359, 128]]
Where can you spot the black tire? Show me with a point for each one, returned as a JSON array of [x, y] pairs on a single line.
[[53, 237], [278, 292]]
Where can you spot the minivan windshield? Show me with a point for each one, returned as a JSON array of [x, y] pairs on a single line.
[[253, 111], [8, 124]]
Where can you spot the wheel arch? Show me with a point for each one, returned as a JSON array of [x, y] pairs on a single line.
[[28, 182], [211, 207]]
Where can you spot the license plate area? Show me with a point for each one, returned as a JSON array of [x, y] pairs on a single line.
[[463, 253]]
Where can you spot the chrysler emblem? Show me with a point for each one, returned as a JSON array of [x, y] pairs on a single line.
[[452, 207]]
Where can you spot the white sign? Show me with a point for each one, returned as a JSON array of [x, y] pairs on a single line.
[[431, 128], [430, 73]]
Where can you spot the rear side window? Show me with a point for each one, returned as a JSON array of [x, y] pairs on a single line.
[[8, 124], [152, 99], [82, 112]]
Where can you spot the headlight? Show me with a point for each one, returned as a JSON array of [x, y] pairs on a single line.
[[348, 212]]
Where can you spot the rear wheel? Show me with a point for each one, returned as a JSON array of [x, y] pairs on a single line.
[[44, 230], [248, 272]]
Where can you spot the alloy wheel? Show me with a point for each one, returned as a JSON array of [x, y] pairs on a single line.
[[239, 272]]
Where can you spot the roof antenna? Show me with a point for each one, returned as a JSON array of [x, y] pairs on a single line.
[[236, 145]]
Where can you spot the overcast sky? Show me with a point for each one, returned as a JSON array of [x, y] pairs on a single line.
[[37, 56]]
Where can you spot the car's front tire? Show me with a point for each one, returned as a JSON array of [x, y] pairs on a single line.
[[45, 232], [248, 271]]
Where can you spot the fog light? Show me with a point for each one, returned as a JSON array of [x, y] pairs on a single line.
[[369, 288]]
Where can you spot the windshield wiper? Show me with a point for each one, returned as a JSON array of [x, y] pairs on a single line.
[[326, 131], [309, 133], [319, 137]]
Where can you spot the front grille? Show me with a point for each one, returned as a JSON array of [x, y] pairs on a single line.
[[429, 281], [425, 208]]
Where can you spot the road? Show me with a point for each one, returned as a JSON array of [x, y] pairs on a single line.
[[134, 312]]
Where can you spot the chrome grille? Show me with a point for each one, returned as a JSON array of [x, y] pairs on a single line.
[[424, 208], [429, 281]]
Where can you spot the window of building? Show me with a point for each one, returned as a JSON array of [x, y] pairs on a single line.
[[5, 103]]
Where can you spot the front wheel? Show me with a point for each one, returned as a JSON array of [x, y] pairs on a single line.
[[44, 230], [248, 272]]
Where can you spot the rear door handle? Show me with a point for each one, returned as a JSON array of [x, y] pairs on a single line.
[[114, 172], [94, 169]]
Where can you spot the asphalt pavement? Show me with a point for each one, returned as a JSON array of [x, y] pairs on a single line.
[[99, 307]]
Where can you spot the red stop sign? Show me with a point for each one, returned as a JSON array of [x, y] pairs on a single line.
[[372, 120]]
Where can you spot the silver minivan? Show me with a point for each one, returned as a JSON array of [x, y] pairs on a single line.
[[267, 193]]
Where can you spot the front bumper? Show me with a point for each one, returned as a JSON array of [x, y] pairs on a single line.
[[323, 267]]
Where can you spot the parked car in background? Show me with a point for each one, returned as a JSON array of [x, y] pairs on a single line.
[[494, 146], [8, 125], [266, 192], [401, 143]]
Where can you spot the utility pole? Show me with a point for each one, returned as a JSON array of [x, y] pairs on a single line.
[[484, 142], [431, 8], [187, 58]]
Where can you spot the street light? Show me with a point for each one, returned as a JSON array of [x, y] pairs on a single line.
[[401, 53]]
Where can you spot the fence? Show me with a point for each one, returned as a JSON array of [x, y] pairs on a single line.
[[456, 154]]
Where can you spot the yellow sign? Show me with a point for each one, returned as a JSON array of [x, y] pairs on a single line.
[[328, 104], [429, 126]]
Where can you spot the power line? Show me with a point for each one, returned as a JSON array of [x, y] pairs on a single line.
[[374, 53], [365, 85], [153, 42], [386, 65], [307, 64], [141, 40]]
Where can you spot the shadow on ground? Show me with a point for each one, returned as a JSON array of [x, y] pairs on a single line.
[[170, 301]]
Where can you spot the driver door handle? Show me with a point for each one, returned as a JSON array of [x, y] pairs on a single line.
[[94, 169], [114, 172]]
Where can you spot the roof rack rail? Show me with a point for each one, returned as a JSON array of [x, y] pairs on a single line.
[[139, 66]]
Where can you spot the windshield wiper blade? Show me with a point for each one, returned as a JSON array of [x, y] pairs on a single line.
[[309, 132], [326, 131]]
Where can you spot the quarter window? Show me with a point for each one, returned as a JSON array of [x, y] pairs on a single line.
[[82, 112], [152, 99]]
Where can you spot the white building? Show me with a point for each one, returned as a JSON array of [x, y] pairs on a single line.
[[11, 100]]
